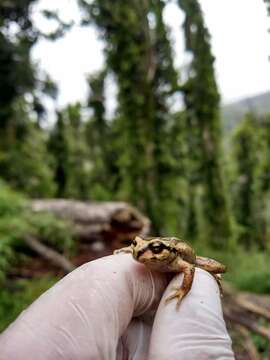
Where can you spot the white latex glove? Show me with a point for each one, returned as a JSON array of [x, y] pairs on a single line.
[[94, 313]]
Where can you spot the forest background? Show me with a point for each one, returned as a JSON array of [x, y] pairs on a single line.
[[178, 167]]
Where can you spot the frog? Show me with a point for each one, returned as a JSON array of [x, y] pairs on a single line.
[[172, 255]]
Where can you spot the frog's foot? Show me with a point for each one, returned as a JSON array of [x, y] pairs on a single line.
[[124, 250], [179, 294]]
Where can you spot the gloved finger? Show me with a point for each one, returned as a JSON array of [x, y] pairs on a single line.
[[197, 329], [134, 343], [84, 315]]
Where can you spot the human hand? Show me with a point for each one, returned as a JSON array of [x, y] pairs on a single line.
[[104, 310]]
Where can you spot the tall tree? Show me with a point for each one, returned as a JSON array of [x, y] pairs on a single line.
[[26, 164], [79, 170], [102, 139], [261, 190], [98, 139], [16, 71], [244, 160], [203, 127], [68, 148], [59, 147], [140, 57], [167, 160], [23, 159]]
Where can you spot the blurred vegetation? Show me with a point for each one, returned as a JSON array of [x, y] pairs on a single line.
[[18, 221], [176, 166], [233, 113], [14, 300]]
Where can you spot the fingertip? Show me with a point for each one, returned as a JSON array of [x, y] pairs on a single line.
[[197, 323]]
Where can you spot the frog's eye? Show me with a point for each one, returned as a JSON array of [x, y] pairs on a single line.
[[157, 247]]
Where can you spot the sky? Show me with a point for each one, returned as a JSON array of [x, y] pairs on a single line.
[[240, 43]]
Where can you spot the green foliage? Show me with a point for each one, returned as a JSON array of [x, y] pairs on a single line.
[[68, 147], [22, 293], [203, 133], [249, 180], [261, 343], [27, 165], [127, 32], [140, 56], [60, 149], [100, 138], [23, 157], [17, 221], [247, 270], [16, 71], [244, 160]]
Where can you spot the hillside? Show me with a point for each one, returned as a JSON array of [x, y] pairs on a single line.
[[232, 113]]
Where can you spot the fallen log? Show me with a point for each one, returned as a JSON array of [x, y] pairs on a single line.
[[116, 222]]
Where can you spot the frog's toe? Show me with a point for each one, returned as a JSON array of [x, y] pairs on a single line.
[[178, 294]]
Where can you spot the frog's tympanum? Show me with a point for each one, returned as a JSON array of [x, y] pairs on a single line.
[[170, 254]]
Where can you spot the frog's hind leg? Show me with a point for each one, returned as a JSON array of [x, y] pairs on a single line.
[[210, 265], [214, 267]]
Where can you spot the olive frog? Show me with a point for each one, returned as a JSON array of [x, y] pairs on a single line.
[[170, 254]]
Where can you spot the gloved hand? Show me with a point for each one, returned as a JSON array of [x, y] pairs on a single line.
[[106, 309]]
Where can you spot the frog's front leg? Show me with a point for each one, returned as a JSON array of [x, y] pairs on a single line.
[[125, 250], [188, 270]]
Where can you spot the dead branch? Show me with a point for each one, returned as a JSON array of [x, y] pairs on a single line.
[[255, 304], [49, 254], [248, 344], [246, 322]]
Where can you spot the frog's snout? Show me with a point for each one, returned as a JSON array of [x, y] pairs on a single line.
[[140, 252]]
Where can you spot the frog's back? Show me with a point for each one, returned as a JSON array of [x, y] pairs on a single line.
[[184, 249]]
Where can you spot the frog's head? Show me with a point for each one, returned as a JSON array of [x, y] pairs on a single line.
[[153, 251]]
